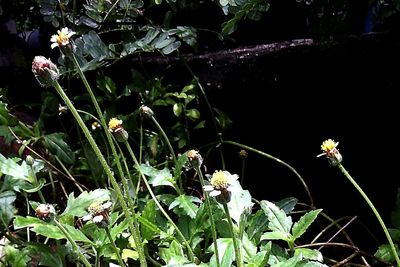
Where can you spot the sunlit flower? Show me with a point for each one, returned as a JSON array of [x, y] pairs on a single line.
[[115, 126], [45, 71], [221, 186], [62, 38], [95, 125], [329, 148], [194, 158], [62, 109], [99, 213], [45, 211], [146, 112]]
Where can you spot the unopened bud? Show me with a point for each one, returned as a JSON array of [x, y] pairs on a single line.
[[45, 71], [146, 112]]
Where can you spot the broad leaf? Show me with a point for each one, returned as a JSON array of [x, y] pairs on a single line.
[[57, 146], [308, 254], [14, 257], [278, 221], [5, 117], [304, 222], [46, 255], [186, 203], [257, 224], [173, 255], [226, 252], [385, 253], [78, 206], [10, 167], [149, 230], [240, 202], [276, 235], [157, 177], [7, 210], [287, 204]]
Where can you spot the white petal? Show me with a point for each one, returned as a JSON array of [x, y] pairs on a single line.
[[53, 38], [54, 45], [232, 178], [87, 217], [98, 218], [215, 193], [208, 188], [107, 205]]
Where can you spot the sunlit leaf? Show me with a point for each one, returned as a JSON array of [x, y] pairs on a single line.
[[226, 252], [278, 221], [304, 222], [78, 206]]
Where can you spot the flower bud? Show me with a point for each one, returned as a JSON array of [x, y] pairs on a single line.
[[45, 71], [195, 158], [115, 126], [146, 112], [45, 211]]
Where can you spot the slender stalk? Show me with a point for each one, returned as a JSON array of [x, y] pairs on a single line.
[[213, 231], [103, 162], [136, 234], [219, 135], [374, 210], [68, 173], [186, 243], [73, 244], [120, 261], [277, 160], [238, 253]]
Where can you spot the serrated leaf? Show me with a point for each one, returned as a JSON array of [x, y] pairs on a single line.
[[57, 146], [48, 230], [157, 177], [385, 253], [226, 252], [308, 254], [15, 257], [78, 206], [186, 203], [257, 224], [45, 254], [149, 230], [173, 255], [304, 222], [7, 210], [181, 162], [5, 117], [287, 204], [276, 235], [10, 167], [278, 221]]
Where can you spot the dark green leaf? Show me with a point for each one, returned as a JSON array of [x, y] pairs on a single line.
[[45, 254], [57, 146], [385, 253], [304, 222], [14, 257], [149, 213], [257, 224], [287, 204], [186, 203], [308, 254], [5, 117], [6, 134], [157, 177], [193, 114], [278, 221], [226, 252], [78, 206], [7, 210]]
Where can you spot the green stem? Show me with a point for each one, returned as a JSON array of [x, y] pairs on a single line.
[[374, 210], [238, 253], [213, 231], [219, 135], [120, 261], [277, 160], [73, 244], [180, 187], [136, 234], [186, 243], [103, 162]]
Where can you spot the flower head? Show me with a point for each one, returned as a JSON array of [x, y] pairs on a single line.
[[99, 213], [62, 109], [243, 154], [45, 71], [45, 211], [195, 158], [95, 125], [62, 38], [221, 186], [331, 152], [146, 112], [115, 126]]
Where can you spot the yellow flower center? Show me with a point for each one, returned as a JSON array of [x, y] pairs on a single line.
[[219, 180], [62, 38], [114, 124], [328, 145], [95, 208]]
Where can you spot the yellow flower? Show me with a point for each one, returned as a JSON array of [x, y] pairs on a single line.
[[114, 124], [331, 152], [98, 213], [194, 158], [62, 37]]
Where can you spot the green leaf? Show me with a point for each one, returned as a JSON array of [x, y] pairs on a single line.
[[10, 167], [48, 230], [276, 235], [226, 252], [5, 117], [129, 254], [173, 255], [304, 222], [7, 210], [78, 206], [240, 202], [385, 253], [186, 203], [257, 224], [193, 114], [149, 231], [287, 204], [278, 221], [249, 248], [6, 134], [55, 144], [157, 177], [177, 108], [45, 254], [200, 125], [14, 257], [308, 254], [181, 162]]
